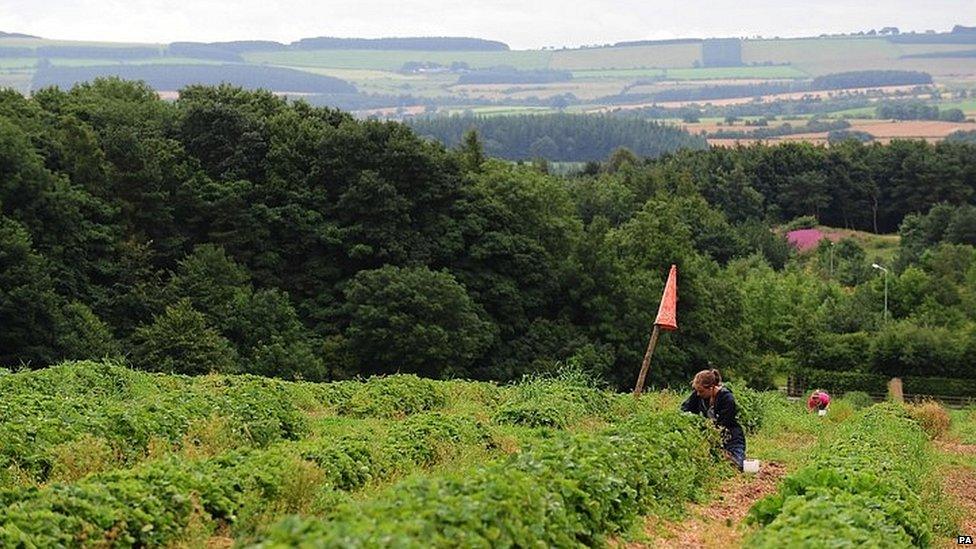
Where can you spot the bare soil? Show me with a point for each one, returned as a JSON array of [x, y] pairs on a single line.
[[716, 524], [960, 484]]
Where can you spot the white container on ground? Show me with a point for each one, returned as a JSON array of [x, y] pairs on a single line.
[[750, 466], [821, 412]]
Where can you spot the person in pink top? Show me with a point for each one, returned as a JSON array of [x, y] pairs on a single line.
[[819, 400]]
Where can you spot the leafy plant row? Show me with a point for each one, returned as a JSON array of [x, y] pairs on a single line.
[[536, 401], [568, 490], [865, 486], [157, 503], [42, 413]]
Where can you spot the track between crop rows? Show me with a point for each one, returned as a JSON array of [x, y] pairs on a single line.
[[716, 523], [960, 484]]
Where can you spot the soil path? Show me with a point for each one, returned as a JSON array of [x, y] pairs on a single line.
[[715, 524], [960, 484]]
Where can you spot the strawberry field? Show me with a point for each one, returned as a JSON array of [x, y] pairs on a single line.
[[94, 454]]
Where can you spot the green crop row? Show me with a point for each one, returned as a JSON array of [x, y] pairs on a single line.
[[567, 490], [158, 503], [554, 402], [386, 397], [61, 423], [867, 485], [43, 414]]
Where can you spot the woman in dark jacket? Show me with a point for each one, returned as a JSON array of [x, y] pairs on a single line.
[[716, 402]]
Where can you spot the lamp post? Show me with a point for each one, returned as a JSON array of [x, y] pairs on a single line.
[[876, 266], [831, 258]]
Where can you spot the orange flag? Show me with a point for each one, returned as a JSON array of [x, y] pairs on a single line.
[[667, 313]]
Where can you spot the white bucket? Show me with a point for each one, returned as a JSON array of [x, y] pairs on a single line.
[[821, 412], [750, 466]]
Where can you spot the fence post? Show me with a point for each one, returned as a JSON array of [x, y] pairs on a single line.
[[895, 390]]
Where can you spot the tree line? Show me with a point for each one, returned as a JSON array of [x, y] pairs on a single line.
[[174, 77], [559, 137], [235, 231], [869, 187]]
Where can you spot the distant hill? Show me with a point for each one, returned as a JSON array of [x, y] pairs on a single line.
[[410, 43], [957, 36], [671, 42], [174, 77], [241, 46], [16, 35]]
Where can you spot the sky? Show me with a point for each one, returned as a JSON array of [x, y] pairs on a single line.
[[523, 24]]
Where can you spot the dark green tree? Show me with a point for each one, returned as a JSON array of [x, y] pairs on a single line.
[[414, 320], [181, 341]]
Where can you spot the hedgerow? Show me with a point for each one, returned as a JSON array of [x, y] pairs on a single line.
[[567, 490], [864, 485]]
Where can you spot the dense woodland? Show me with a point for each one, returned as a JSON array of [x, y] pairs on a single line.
[[559, 137], [917, 110], [237, 232]]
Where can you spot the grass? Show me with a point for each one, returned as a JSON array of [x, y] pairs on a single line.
[[879, 247], [963, 425], [788, 432]]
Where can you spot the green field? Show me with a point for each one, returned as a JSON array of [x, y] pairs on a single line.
[[622, 74], [17, 62], [634, 57], [393, 60], [761, 72], [966, 106], [817, 56]]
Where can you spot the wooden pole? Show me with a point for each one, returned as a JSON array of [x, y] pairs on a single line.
[[647, 361]]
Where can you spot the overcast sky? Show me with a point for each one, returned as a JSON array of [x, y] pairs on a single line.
[[520, 23]]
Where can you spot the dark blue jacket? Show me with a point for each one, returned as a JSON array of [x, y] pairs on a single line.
[[725, 415]]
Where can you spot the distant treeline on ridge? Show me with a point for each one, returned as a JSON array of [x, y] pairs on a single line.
[[837, 81], [231, 51], [174, 77], [448, 43]]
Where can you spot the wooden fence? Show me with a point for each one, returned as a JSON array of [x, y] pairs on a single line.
[[797, 389]]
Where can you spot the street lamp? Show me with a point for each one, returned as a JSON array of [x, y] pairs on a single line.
[[876, 266]]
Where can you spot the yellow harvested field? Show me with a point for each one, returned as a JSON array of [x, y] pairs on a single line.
[[883, 131], [927, 129]]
